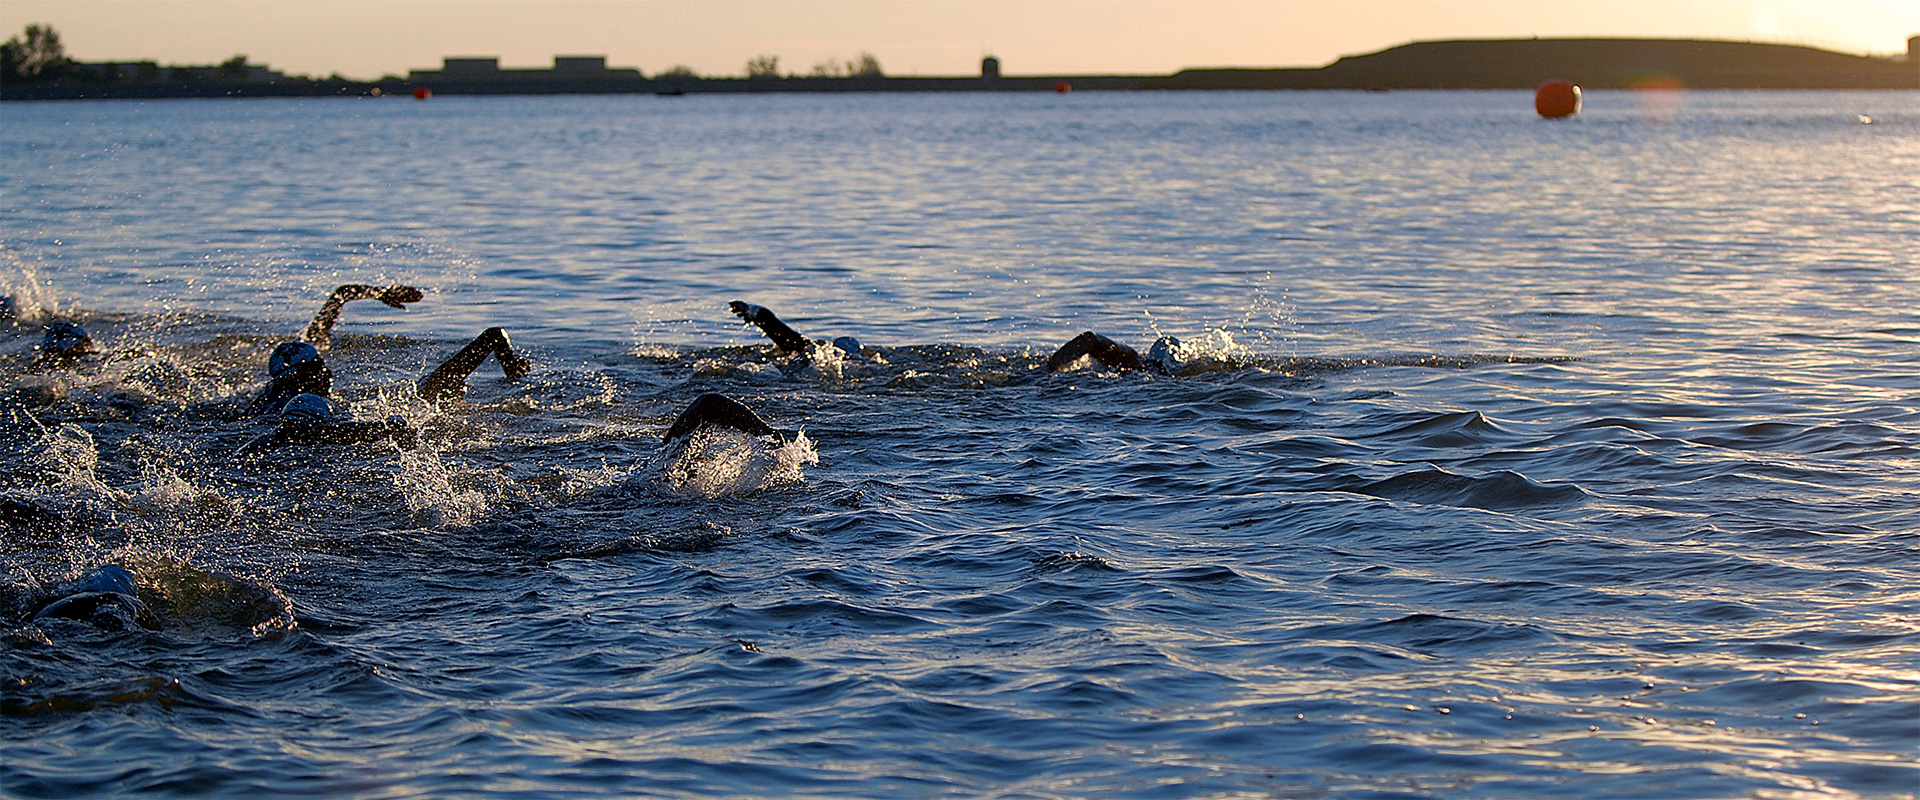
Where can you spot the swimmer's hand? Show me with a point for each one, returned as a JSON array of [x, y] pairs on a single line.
[[319, 332], [785, 338], [747, 312], [399, 296]]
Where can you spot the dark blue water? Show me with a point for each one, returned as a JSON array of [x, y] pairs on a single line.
[[1570, 459]]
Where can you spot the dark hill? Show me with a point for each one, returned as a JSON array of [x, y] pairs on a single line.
[[1591, 63]]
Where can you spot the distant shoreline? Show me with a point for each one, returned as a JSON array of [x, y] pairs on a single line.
[[1448, 64]]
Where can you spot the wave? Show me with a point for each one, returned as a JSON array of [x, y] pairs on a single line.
[[1500, 490]]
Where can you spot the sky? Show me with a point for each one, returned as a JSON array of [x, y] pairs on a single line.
[[369, 38]]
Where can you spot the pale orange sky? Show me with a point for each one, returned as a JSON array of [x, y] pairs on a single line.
[[369, 38]]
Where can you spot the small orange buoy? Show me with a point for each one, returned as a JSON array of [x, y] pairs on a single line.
[[422, 93], [1063, 87], [1556, 99]]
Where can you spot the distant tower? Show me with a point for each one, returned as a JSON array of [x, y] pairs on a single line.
[[1913, 57], [990, 66]]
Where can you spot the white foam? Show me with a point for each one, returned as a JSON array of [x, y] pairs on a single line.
[[427, 484], [715, 462]]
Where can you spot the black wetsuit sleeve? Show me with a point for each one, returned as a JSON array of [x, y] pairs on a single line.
[[784, 337], [1111, 354], [717, 409], [450, 378]]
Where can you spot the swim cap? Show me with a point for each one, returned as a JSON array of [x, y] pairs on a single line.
[[289, 355], [307, 409], [1165, 355], [848, 345], [107, 578], [64, 337]]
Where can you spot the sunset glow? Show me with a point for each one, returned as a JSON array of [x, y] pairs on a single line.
[[365, 39]]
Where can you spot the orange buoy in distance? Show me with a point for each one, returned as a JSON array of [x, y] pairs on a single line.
[[1063, 87], [422, 93], [1556, 99]]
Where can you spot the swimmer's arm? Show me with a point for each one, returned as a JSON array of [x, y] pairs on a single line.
[[300, 433], [784, 337], [260, 444], [1111, 354], [718, 409], [450, 378], [319, 332]]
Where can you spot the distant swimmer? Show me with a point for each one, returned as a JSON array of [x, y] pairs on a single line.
[[785, 339], [319, 332], [1163, 358], [106, 597]]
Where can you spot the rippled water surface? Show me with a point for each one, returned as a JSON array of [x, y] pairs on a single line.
[[1574, 459]]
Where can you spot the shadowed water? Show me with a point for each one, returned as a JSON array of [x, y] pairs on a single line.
[[1531, 458]]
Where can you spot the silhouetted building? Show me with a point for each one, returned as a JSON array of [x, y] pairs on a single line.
[[486, 69], [989, 68], [468, 67], [579, 65], [151, 72]]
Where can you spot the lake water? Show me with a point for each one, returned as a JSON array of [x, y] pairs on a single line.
[[1544, 458]]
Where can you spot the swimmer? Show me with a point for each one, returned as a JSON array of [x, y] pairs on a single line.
[[299, 385], [719, 410], [1164, 358], [319, 332], [68, 359], [297, 368], [106, 597], [785, 339], [294, 368], [63, 344], [309, 419]]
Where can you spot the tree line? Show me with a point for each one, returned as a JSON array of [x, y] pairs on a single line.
[[36, 55], [866, 66]]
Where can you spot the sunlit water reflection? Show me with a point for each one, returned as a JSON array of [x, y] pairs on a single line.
[[1542, 458]]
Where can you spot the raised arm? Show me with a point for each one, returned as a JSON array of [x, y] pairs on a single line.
[[319, 332], [721, 410], [1111, 354], [450, 378], [785, 338]]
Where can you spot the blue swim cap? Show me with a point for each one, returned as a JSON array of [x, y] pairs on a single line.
[[1165, 355], [307, 409], [107, 578], [64, 337], [289, 355], [848, 345]]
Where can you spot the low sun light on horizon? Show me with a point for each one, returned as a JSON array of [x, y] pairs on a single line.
[[369, 38]]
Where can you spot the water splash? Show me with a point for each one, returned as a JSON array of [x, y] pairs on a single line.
[[195, 600], [427, 483], [715, 462], [69, 456], [28, 301]]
